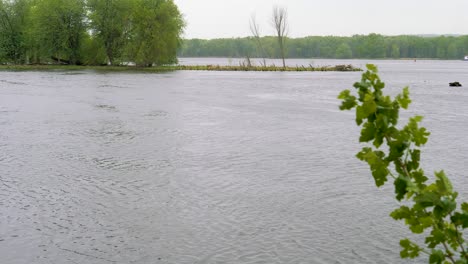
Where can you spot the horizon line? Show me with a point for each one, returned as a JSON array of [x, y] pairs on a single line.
[[427, 35]]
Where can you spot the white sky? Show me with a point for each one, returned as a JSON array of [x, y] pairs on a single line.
[[230, 18]]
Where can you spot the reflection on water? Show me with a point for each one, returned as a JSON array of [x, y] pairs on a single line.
[[206, 167]]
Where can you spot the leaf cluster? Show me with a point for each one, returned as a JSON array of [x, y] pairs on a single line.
[[394, 153]]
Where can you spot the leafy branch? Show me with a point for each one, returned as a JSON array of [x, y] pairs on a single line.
[[429, 208]]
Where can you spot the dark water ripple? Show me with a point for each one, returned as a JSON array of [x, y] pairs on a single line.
[[206, 167]]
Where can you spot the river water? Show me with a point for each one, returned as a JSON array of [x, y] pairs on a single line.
[[208, 167]]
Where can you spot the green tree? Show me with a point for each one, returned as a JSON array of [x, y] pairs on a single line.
[[395, 51], [427, 208], [374, 46], [370, 46], [343, 51], [155, 34], [441, 52], [93, 51], [452, 51], [441, 49], [59, 26], [13, 17], [110, 23]]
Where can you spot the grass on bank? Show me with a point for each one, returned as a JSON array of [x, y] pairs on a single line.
[[310, 68]]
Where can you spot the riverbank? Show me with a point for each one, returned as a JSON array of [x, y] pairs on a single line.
[[338, 68], [52, 67], [301, 68]]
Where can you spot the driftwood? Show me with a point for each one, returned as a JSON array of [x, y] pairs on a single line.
[[67, 62], [455, 84], [60, 61]]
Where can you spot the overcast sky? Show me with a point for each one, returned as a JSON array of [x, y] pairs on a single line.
[[230, 18]]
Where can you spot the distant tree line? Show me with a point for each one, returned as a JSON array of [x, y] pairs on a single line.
[[91, 32], [373, 46]]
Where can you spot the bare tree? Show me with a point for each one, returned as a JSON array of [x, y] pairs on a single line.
[[255, 30], [280, 23]]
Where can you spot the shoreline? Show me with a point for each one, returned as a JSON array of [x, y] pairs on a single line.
[[156, 69]]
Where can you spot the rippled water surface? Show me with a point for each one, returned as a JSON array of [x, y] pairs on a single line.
[[207, 167]]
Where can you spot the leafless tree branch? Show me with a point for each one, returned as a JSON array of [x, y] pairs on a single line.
[[281, 26]]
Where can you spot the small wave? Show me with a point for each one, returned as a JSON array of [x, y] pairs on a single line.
[[157, 113], [73, 73], [111, 86], [106, 107], [11, 82], [120, 165]]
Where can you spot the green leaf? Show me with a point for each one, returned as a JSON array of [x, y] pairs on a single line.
[[372, 68], [362, 155], [379, 139], [444, 184], [360, 115], [427, 199], [413, 164], [380, 175], [397, 149], [369, 106], [378, 166], [349, 101], [448, 205], [401, 213], [437, 257], [460, 219], [417, 229], [400, 188], [410, 250], [344, 94], [426, 221], [379, 85], [419, 135], [437, 236], [404, 99], [419, 177], [381, 122], [368, 132], [464, 207]]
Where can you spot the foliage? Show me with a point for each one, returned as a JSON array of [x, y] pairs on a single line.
[[94, 51], [89, 31], [343, 51], [154, 36], [371, 46], [59, 26], [362, 46], [394, 153], [110, 22], [12, 30]]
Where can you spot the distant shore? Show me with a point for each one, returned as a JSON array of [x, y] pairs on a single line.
[[51, 67]]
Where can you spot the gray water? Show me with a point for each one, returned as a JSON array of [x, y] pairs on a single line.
[[207, 167]]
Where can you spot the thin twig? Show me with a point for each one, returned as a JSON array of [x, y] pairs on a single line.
[[449, 255]]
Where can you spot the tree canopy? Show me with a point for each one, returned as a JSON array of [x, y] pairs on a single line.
[[372, 46], [145, 32]]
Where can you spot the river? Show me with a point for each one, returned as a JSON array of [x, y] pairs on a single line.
[[208, 167]]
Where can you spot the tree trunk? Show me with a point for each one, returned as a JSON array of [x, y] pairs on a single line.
[[283, 54]]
